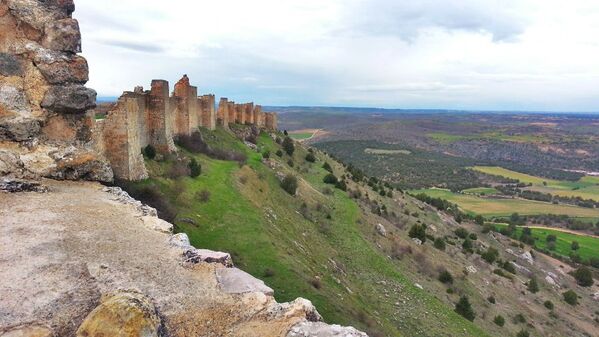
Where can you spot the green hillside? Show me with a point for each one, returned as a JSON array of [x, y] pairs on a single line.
[[319, 244]]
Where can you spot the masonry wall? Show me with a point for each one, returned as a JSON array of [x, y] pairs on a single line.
[[141, 118]]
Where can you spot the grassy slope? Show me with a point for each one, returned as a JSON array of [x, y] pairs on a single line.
[[589, 246], [505, 207], [249, 215], [587, 187]]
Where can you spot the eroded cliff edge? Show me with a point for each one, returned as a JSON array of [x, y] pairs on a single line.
[[81, 259]]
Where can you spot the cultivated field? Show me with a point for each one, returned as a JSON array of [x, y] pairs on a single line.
[[504, 207], [587, 187], [589, 245]]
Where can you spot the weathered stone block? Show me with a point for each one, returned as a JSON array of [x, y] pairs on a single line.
[[69, 99], [63, 35], [10, 65], [71, 69]]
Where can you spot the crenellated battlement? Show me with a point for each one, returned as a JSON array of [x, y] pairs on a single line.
[[153, 117]]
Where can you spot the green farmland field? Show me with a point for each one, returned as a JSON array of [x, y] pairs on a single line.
[[504, 207]]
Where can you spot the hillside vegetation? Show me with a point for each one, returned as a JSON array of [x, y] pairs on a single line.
[[346, 246]]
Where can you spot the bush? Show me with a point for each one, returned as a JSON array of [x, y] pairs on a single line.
[[418, 231], [488, 228], [464, 308], [479, 220], [327, 167], [289, 184], [491, 299], [445, 277], [523, 333], [288, 146], [149, 151], [203, 196], [439, 244], [548, 304], [178, 169], [551, 238], [290, 163], [533, 285], [575, 245], [570, 297], [583, 277], [195, 169], [193, 143], [269, 272], [310, 157], [461, 232], [467, 244], [490, 255], [507, 265], [266, 154], [330, 179], [473, 236], [519, 318], [499, 320], [279, 153], [316, 283], [341, 185]]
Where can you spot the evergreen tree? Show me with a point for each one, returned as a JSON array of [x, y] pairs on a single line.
[[464, 308], [288, 146], [533, 285]]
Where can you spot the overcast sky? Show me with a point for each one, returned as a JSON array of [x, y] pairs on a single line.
[[455, 54]]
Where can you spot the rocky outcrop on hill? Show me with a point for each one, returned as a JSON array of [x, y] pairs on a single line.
[[45, 121], [80, 260]]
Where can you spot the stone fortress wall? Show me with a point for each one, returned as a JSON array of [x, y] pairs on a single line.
[[152, 117]]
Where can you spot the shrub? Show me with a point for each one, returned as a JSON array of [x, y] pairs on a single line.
[[310, 157], [490, 255], [195, 169], [499, 320], [461, 232], [289, 184], [178, 169], [418, 231], [519, 318], [570, 297], [341, 185], [288, 146], [290, 163], [279, 153], [533, 285], [203, 196], [479, 220], [464, 308], [491, 299], [269, 272], [330, 179], [439, 244], [467, 244], [523, 333], [445, 277], [583, 277], [327, 167], [488, 228], [149, 151], [473, 236], [551, 238], [508, 266], [548, 304], [193, 143], [316, 283], [266, 154], [575, 245]]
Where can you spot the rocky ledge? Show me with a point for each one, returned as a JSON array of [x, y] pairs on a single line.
[[81, 259]]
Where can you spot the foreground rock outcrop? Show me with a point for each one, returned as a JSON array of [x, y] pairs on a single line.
[[45, 119], [81, 260]]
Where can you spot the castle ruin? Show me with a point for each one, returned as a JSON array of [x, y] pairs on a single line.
[[141, 118]]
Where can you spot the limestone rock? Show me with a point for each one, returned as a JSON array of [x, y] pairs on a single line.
[[319, 329], [526, 256], [13, 186], [194, 256], [69, 99], [179, 240], [381, 229], [300, 307], [63, 35], [157, 224], [236, 281], [551, 281], [471, 269], [417, 241], [10, 65], [71, 69], [122, 314], [28, 331]]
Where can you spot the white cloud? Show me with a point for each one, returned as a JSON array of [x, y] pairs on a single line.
[[471, 54]]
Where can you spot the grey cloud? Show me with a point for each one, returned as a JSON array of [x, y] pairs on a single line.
[[135, 46], [407, 18]]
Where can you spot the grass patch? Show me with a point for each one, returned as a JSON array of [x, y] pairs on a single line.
[[504, 207], [589, 246], [386, 151], [481, 190], [300, 135]]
